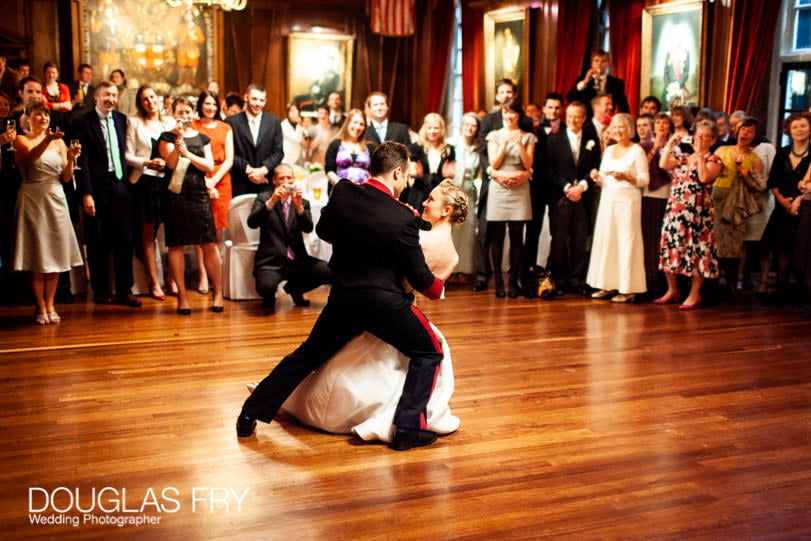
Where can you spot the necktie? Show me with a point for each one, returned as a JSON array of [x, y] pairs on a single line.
[[255, 130], [286, 209], [112, 139], [381, 133]]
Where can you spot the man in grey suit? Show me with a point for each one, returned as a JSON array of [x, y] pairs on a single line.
[[257, 144]]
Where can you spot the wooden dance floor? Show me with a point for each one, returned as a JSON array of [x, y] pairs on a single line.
[[580, 419]]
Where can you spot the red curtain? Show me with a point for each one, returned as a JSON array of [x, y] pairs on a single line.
[[625, 18], [574, 17], [753, 26], [441, 38], [472, 58]]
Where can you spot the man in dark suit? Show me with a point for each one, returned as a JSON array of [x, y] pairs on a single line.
[[82, 91], [505, 90], [283, 215], [257, 144], [375, 243], [597, 82], [380, 129], [571, 154], [11, 284], [106, 196], [725, 136], [335, 104], [549, 124]]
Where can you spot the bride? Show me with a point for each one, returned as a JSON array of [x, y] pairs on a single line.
[[358, 389]]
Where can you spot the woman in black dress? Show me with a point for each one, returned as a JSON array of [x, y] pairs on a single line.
[[432, 159], [789, 167], [189, 218]]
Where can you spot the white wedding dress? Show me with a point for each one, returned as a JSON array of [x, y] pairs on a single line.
[[357, 391]]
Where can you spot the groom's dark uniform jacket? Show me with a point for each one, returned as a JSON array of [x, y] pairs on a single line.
[[375, 242]]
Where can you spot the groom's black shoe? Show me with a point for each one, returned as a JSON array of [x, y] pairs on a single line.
[[245, 425], [407, 438]]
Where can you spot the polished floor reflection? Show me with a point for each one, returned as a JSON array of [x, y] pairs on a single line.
[[580, 419]]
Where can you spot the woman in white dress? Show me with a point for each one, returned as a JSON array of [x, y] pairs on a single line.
[[146, 174], [467, 172], [357, 391], [293, 142], [44, 242], [617, 253]]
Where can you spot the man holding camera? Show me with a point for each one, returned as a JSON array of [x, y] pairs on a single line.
[[282, 216]]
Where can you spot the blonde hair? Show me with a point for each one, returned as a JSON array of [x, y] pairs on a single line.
[[627, 121], [434, 117], [456, 198]]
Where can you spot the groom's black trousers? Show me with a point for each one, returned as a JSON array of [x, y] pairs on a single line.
[[388, 315]]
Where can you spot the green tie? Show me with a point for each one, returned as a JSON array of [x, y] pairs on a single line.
[[112, 138]]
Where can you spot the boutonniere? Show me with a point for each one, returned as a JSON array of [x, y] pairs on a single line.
[[590, 144]]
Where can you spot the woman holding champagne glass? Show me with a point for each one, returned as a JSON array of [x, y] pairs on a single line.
[[44, 242]]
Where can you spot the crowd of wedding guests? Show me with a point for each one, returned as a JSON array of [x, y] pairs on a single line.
[[677, 207]]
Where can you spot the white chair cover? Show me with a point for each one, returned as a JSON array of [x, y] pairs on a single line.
[[240, 250]]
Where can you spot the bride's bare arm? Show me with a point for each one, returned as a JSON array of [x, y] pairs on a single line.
[[440, 254]]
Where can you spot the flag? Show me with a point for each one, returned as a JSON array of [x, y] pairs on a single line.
[[394, 17]]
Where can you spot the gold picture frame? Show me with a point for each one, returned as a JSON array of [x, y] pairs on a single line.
[[673, 53], [318, 65], [171, 48], [506, 51]]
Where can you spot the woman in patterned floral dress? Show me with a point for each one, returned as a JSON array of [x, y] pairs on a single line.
[[688, 235]]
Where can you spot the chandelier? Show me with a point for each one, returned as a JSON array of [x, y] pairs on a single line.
[[225, 5]]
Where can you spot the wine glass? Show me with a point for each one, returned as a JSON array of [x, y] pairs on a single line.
[[11, 125], [76, 144]]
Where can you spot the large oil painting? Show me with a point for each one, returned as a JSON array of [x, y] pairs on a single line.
[[171, 48], [506, 48], [672, 53], [319, 64]]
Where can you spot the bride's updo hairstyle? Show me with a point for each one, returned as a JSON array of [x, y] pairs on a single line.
[[456, 198]]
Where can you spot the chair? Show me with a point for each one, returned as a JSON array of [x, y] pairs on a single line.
[[240, 250]]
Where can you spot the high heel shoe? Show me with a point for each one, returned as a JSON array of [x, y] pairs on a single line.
[[216, 309], [184, 311], [665, 299], [693, 306], [53, 317], [41, 318]]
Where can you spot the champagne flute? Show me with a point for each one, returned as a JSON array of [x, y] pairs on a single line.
[[75, 144], [11, 125]]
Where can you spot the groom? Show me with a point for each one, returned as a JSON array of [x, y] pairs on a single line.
[[375, 241]]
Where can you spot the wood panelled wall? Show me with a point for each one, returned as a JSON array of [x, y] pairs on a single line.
[[255, 44], [36, 23]]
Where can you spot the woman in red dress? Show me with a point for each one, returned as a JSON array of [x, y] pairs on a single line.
[[218, 181]]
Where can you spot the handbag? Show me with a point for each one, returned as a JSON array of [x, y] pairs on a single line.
[[176, 182], [544, 285]]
